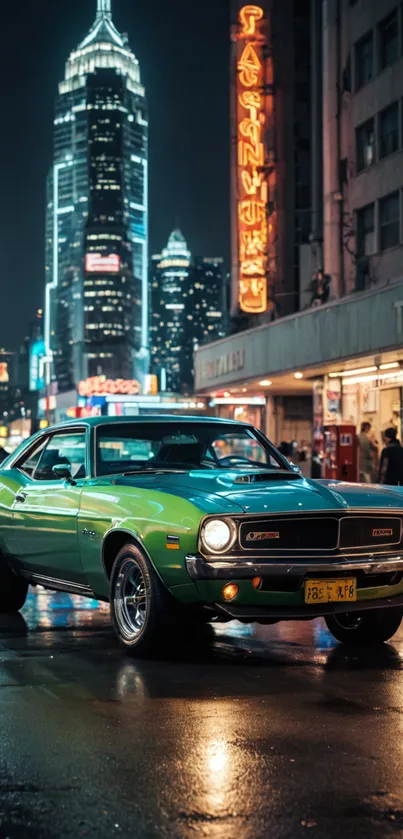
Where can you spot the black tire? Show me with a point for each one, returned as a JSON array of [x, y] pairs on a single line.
[[13, 589], [363, 628], [139, 625]]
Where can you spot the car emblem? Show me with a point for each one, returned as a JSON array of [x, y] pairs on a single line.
[[261, 535], [382, 531]]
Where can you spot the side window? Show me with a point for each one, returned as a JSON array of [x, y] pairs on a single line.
[[29, 464], [68, 449]]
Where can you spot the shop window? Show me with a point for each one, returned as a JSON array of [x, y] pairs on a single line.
[[365, 145], [364, 60], [389, 221], [366, 231], [389, 130], [388, 46]]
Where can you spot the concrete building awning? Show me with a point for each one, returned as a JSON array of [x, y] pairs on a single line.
[[316, 341]]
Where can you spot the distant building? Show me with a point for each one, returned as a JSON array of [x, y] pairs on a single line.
[[206, 316], [187, 304], [96, 318], [169, 306]]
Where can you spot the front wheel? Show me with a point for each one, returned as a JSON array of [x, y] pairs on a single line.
[[141, 607], [372, 627], [13, 589]]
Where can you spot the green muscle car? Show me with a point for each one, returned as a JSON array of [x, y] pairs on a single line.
[[178, 522]]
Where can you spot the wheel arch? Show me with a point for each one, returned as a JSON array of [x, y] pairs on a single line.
[[114, 541]]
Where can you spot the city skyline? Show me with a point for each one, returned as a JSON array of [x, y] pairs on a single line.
[[188, 165]]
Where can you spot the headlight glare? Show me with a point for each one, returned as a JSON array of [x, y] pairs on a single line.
[[217, 535]]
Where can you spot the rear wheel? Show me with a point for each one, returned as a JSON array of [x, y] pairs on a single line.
[[372, 627], [141, 607], [13, 589]]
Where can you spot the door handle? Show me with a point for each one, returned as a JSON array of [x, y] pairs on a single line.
[[21, 497]]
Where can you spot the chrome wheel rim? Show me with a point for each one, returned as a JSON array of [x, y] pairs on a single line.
[[349, 621], [130, 600]]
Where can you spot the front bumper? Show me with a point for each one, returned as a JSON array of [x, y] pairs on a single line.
[[200, 569], [282, 598]]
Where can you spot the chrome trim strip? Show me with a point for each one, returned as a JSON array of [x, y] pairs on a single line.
[[293, 556], [56, 584], [199, 569]]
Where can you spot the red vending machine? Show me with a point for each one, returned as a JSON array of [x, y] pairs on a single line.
[[341, 453]]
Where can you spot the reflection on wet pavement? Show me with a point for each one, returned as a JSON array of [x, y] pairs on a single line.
[[252, 731]]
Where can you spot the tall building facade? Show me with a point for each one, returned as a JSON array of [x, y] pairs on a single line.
[[363, 143], [96, 313], [346, 353], [187, 305]]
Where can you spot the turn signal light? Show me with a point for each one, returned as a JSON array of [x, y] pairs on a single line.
[[230, 591], [257, 582]]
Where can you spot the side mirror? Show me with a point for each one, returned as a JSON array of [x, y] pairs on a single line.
[[62, 470]]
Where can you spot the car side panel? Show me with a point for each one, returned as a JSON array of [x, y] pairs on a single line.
[[146, 514], [10, 482]]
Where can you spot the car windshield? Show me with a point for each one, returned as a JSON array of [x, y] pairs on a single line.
[[132, 447]]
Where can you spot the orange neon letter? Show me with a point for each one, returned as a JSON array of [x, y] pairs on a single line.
[[249, 16], [249, 66], [254, 182], [249, 155], [251, 212]]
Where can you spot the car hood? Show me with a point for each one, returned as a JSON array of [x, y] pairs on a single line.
[[288, 493]]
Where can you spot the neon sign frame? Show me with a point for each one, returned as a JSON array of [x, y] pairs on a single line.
[[256, 174]]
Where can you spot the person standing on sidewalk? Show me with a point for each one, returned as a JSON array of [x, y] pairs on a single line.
[[391, 466], [366, 452]]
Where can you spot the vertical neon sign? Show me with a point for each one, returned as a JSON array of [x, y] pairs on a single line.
[[256, 175]]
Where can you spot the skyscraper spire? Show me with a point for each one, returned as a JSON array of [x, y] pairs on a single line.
[[104, 9]]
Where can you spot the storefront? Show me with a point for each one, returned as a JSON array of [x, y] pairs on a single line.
[[345, 358]]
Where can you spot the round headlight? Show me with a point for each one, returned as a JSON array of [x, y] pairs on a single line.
[[217, 535]]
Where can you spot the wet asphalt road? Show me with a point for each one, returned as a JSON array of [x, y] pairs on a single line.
[[263, 732]]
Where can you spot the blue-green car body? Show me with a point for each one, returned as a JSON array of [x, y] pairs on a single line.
[[285, 530]]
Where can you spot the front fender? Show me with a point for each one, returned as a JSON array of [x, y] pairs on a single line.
[[146, 515]]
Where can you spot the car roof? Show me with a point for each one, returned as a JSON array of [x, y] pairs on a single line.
[[95, 422]]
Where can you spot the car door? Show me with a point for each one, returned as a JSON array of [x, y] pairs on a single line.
[[45, 511]]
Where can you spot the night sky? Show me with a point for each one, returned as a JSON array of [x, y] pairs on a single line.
[[183, 49]]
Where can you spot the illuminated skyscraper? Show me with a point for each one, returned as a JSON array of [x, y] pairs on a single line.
[[169, 302], [96, 318], [187, 304]]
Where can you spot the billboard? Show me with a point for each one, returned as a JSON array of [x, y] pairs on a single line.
[[256, 174], [36, 372], [101, 386], [97, 263]]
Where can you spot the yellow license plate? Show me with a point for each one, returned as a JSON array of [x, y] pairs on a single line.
[[330, 591]]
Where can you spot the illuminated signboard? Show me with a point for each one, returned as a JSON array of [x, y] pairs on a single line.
[[101, 386], [256, 175], [4, 377], [96, 263], [36, 373]]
